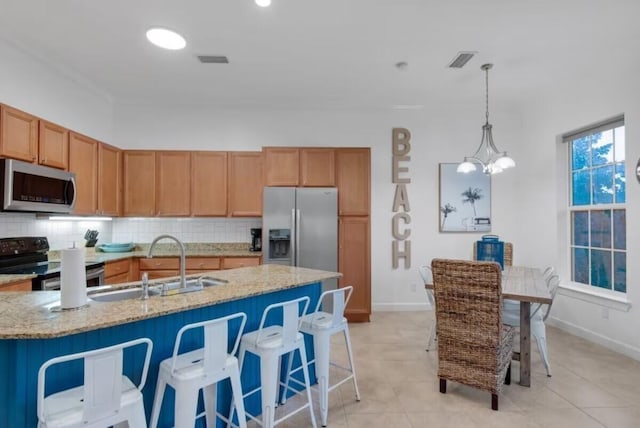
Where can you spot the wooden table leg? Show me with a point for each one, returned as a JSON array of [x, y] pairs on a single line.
[[525, 344]]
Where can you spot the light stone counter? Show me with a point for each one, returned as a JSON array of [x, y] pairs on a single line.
[[234, 249], [6, 279], [28, 315], [193, 249]]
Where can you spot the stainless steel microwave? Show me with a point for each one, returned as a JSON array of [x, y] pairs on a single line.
[[35, 188]]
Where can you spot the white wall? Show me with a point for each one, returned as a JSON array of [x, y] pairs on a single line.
[[441, 133], [542, 202], [58, 95]]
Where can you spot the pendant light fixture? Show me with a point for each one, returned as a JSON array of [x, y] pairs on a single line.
[[492, 160]]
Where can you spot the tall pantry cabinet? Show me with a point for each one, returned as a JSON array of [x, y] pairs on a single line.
[[353, 179], [348, 169]]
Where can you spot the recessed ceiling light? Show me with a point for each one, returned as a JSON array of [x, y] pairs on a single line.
[[263, 3], [166, 39]]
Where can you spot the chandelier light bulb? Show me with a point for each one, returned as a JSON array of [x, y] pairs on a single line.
[[263, 3]]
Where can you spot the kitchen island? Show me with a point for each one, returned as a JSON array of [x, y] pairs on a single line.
[[31, 331]]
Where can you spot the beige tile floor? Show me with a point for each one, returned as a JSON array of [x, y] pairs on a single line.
[[591, 386]]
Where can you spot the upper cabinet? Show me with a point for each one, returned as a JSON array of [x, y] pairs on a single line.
[[209, 183], [53, 145], [83, 161], [139, 183], [19, 134], [281, 166], [173, 183], [317, 167], [109, 180], [245, 184], [306, 167], [353, 173]]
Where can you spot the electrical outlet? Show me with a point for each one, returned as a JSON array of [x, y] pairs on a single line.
[[414, 287], [605, 313]]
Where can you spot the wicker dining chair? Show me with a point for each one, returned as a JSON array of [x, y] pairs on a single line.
[[508, 253], [474, 347]]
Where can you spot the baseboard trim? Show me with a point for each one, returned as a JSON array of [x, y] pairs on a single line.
[[614, 345], [400, 307]]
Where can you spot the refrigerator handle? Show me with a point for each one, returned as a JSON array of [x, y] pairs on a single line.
[[297, 237], [294, 238]]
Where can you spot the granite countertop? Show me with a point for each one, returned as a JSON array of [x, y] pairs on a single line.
[[193, 249], [30, 316]]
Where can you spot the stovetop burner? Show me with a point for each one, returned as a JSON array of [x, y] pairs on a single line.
[[28, 255]]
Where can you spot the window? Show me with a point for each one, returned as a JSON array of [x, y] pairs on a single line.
[[597, 206]]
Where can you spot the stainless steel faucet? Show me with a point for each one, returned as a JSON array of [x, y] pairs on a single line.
[[183, 263]]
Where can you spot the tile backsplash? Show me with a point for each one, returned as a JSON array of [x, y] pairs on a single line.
[[62, 234], [185, 229]]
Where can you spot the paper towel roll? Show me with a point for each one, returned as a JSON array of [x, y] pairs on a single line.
[[73, 279]]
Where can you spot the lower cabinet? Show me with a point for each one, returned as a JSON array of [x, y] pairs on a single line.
[[163, 267], [237, 262], [117, 272], [354, 262], [23, 285]]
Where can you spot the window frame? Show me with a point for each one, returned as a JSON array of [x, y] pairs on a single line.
[[589, 292]]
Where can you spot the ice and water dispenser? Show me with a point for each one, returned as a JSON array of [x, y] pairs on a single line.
[[280, 244]]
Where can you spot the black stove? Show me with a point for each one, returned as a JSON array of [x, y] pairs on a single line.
[[28, 255]]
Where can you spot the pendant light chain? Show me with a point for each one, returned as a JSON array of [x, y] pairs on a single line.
[[486, 74]]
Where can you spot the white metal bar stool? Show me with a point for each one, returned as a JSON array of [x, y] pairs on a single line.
[[322, 325], [106, 398], [270, 344], [201, 369]]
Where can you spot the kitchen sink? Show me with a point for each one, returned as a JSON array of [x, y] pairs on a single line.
[[120, 294], [157, 289], [195, 284]]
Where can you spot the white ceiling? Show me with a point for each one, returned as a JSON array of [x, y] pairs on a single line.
[[330, 53]]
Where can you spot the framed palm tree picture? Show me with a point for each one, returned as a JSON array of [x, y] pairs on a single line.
[[465, 200]]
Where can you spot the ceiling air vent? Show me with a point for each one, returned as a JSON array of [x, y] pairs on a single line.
[[213, 59], [461, 59]]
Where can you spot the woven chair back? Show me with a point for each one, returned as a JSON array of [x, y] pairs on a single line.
[[468, 301]]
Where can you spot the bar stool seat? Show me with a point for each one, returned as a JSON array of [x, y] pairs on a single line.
[[269, 344], [322, 325], [106, 397], [201, 369]]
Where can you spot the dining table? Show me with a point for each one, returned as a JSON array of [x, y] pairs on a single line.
[[528, 286]]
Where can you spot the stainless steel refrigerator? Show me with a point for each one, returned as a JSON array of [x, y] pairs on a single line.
[[300, 228]]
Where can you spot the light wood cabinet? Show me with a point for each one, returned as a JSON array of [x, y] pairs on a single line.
[[139, 183], [237, 262], [354, 262], [109, 180], [281, 166], [83, 161], [245, 184], [53, 145], [317, 167], [173, 183], [203, 263], [353, 175], [163, 267], [19, 134], [117, 271], [22, 285], [209, 183]]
